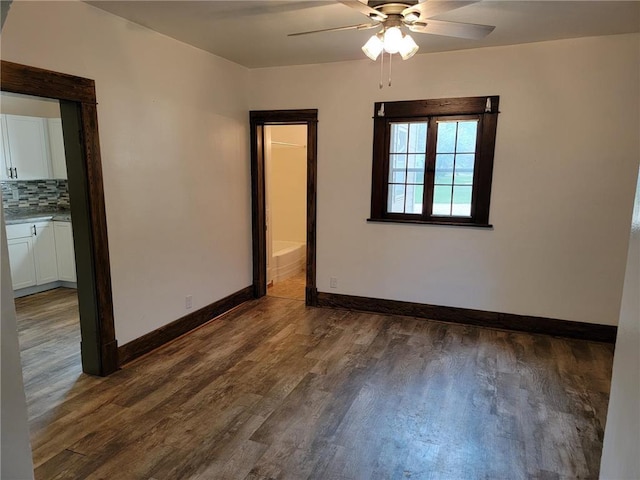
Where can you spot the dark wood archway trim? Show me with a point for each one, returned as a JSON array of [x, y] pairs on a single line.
[[99, 346], [258, 120]]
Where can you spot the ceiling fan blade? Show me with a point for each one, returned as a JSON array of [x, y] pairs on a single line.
[[364, 8], [362, 26], [452, 29], [431, 8]]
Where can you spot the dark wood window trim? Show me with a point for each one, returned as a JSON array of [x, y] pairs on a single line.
[[484, 109]]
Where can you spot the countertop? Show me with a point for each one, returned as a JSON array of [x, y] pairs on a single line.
[[35, 214]]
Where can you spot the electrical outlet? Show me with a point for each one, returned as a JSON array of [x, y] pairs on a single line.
[[188, 301], [333, 282], [15, 194]]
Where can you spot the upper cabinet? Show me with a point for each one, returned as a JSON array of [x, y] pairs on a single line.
[[32, 148], [56, 148], [26, 155]]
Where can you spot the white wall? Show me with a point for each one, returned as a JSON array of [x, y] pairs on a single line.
[[15, 449], [173, 128], [620, 453], [288, 183], [566, 155]]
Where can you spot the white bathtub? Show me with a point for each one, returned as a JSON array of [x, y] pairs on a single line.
[[288, 259]]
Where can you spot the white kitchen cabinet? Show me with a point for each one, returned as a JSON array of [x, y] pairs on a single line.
[[25, 148], [65, 253], [44, 252], [6, 168], [23, 267], [32, 254], [56, 147]]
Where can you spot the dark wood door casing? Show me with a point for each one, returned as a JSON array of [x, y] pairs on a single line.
[[258, 120], [80, 126]]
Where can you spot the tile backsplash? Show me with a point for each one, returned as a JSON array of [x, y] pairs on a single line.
[[35, 193]]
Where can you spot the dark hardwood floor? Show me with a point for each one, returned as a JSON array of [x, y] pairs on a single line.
[[275, 390]]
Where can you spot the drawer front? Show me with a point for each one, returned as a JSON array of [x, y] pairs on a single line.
[[19, 230]]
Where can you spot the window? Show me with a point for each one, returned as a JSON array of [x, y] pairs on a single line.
[[433, 160]]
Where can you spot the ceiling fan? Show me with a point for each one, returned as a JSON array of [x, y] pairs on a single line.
[[415, 16]]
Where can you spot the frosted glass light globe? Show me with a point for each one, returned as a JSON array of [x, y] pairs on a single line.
[[373, 47], [392, 39]]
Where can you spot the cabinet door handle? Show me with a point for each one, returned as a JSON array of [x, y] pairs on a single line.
[[10, 172], [15, 169], [34, 230]]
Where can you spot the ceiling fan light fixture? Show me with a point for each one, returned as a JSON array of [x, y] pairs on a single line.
[[411, 16], [373, 47], [392, 39], [408, 47]]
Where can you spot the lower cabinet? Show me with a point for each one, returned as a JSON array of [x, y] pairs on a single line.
[[65, 254], [40, 253], [44, 253], [23, 266]]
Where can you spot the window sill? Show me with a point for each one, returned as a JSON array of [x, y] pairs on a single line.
[[430, 222]]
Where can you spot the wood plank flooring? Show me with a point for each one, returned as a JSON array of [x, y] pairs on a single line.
[[292, 287], [277, 390]]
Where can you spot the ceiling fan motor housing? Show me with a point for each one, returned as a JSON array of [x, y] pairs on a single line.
[[395, 13]]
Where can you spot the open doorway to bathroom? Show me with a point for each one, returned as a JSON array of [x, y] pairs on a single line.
[[281, 212], [286, 201]]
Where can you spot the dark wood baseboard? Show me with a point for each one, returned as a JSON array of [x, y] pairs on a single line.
[[505, 321], [311, 296], [152, 340]]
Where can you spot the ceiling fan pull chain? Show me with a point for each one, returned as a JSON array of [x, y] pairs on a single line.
[[390, 62], [381, 69]]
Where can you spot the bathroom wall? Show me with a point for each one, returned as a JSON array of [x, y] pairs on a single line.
[[35, 193], [288, 183]]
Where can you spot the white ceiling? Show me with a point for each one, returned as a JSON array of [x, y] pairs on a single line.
[[254, 33]]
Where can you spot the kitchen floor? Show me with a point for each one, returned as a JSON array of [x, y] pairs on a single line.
[[49, 337]]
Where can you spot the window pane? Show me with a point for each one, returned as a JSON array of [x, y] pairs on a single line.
[[399, 134], [464, 169], [415, 176], [446, 137], [398, 161], [397, 169], [407, 170], [395, 202], [461, 201], [413, 201], [467, 136], [444, 169], [397, 176], [416, 161], [441, 200], [415, 169], [418, 137]]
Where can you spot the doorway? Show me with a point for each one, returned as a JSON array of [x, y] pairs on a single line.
[[285, 150], [35, 201], [262, 130], [82, 151]]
